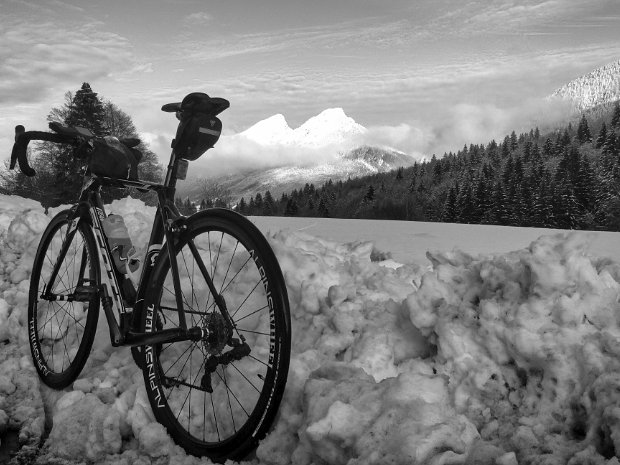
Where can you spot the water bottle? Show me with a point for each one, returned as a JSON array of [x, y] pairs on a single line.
[[123, 251]]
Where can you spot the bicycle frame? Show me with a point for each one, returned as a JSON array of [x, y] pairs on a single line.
[[167, 225]]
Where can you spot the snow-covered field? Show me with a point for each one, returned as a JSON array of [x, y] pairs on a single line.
[[448, 358]]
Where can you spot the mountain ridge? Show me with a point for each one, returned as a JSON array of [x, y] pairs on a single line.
[[358, 162], [330, 127]]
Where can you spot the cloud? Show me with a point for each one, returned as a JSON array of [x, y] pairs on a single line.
[[463, 124], [236, 153], [39, 58], [198, 18]]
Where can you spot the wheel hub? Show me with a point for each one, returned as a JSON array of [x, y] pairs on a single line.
[[218, 333]]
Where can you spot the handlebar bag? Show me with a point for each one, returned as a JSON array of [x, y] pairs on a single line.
[[111, 158], [197, 133]]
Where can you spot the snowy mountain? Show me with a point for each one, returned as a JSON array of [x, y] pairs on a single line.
[[328, 128], [598, 88], [355, 163]]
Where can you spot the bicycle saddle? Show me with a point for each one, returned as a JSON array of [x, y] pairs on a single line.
[[198, 102]]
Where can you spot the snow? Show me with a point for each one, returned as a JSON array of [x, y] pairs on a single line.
[[442, 356], [331, 127]]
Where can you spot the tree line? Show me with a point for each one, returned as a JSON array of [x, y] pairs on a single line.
[[568, 178]]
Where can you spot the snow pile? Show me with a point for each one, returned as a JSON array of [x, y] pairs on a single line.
[[500, 359]]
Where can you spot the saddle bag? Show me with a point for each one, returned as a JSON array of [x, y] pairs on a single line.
[[111, 158], [197, 133]]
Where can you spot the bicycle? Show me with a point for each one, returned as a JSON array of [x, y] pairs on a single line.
[[208, 321]]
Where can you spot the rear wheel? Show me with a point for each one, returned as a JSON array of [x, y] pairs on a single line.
[[218, 396], [62, 315]]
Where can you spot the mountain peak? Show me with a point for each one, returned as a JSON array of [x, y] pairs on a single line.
[[330, 127], [270, 131]]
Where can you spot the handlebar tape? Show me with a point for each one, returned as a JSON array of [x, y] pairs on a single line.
[[23, 137]]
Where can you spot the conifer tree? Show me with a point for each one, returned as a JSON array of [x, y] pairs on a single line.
[[513, 141], [83, 109], [583, 131], [242, 206], [269, 208], [615, 118], [322, 209], [602, 136], [499, 213], [449, 210], [370, 194], [548, 148], [291, 208], [87, 111], [258, 203]]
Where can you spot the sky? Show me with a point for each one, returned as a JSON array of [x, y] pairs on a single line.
[[429, 74]]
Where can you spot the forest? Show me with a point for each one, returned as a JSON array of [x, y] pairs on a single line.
[[568, 178]]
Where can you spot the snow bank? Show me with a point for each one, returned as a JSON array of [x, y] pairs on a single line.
[[501, 359]]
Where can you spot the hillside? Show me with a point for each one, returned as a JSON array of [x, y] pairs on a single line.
[[359, 162], [567, 179], [599, 88]]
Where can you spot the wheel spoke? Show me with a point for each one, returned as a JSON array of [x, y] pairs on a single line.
[[237, 386], [65, 329]]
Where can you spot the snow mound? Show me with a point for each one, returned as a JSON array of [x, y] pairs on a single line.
[[500, 359]]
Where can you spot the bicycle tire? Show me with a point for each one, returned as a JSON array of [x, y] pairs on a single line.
[[228, 422], [60, 327]]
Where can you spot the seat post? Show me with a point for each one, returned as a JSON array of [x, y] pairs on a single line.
[[171, 179]]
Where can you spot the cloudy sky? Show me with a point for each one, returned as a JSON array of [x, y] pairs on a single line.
[[432, 73]]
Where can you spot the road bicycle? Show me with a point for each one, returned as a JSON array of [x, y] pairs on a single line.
[[208, 321]]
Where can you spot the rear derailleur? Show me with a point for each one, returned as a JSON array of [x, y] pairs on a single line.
[[238, 351]]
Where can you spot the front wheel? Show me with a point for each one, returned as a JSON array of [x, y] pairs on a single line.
[[218, 396], [63, 303]]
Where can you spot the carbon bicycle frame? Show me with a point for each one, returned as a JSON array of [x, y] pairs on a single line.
[[167, 225]]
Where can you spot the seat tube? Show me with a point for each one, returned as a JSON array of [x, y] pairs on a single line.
[[172, 256]]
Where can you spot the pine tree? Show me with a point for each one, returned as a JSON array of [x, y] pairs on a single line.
[[610, 147], [602, 136], [513, 141], [83, 109], [615, 118], [291, 208], [370, 194], [258, 203], [506, 148], [548, 148], [269, 207], [499, 211], [242, 206], [322, 209], [583, 131], [87, 111], [449, 213]]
